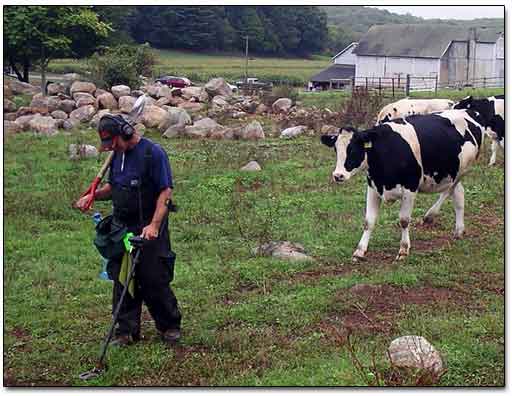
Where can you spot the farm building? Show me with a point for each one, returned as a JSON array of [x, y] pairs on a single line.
[[446, 53], [335, 76]]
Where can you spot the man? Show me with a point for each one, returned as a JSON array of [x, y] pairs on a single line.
[[140, 186]]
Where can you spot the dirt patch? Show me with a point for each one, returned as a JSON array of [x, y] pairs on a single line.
[[254, 186], [484, 222], [21, 334], [373, 308], [427, 245], [315, 274], [490, 281]]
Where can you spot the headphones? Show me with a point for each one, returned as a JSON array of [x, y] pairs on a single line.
[[126, 130]]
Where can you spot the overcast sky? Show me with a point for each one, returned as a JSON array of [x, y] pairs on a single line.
[[449, 12]]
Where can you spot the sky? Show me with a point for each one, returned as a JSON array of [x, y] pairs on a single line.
[[449, 12]]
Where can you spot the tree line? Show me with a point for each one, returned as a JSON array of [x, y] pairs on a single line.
[[271, 30]]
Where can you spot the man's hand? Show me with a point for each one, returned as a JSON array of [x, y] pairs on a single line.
[[80, 204], [150, 232]]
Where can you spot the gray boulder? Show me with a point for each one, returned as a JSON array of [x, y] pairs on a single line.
[[176, 116], [164, 92], [9, 106], [59, 115], [198, 93], [83, 99], [11, 128], [415, 352], [81, 86], [126, 103], [21, 88], [191, 107], [106, 101], [82, 151], [282, 105], [120, 90], [55, 88], [174, 131], [283, 250], [67, 105], [53, 103], [136, 93], [252, 131], [218, 86], [293, 131], [251, 166], [23, 121], [10, 116], [83, 114], [99, 92], [39, 104], [153, 116], [43, 125], [203, 128]]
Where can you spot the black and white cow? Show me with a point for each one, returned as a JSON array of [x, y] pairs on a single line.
[[492, 109], [421, 153], [406, 107]]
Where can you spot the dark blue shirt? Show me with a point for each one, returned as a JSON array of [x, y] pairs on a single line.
[[129, 166]]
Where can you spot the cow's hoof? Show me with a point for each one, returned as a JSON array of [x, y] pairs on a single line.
[[402, 254], [458, 234], [358, 256], [428, 219]]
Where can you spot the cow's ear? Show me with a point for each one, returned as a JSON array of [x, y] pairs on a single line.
[[329, 140], [367, 136]]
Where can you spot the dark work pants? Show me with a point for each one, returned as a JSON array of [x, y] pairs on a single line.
[[153, 274]]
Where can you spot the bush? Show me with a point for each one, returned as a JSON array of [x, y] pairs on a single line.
[[361, 109], [122, 65], [286, 91]]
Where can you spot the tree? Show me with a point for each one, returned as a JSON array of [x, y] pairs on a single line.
[[37, 34]]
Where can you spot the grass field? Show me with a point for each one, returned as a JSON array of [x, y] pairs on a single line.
[[250, 320], [201, 67]]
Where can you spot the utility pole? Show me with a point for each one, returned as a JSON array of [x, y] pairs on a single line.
[[246, 59]]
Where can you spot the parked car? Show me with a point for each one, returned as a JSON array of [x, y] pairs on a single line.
[[174, 82], [254, 82]]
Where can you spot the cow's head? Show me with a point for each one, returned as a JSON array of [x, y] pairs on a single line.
[[350, 146], [483, 107]]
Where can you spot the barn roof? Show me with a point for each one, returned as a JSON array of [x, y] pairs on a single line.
[[420, 40], [334, 72], [344, 50]]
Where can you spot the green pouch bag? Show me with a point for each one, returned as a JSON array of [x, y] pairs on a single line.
[[109, 238]]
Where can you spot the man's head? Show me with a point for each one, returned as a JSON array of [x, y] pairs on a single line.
[[115, 133]]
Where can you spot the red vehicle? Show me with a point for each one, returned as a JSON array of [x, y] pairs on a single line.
[[174, 82]]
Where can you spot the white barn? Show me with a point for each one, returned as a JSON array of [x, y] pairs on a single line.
[[444, 51]]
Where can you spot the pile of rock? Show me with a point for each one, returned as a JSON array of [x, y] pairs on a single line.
[[169, 110]]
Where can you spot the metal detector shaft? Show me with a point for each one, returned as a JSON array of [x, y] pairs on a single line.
[[135, 261]]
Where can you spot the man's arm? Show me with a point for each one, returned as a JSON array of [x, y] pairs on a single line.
[[151, 230], [102, 193]]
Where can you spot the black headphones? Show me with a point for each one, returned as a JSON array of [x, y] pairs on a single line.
[[126, 130]]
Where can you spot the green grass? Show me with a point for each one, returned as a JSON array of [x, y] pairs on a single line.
[[246, 320], [201, 67]]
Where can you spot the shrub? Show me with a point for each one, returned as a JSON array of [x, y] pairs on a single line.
[[361, 109], [122, 64]]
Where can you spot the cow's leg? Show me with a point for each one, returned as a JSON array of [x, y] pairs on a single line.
[[436, 208], [458, 204], [494, 149], [372, 212], [406, 207]]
